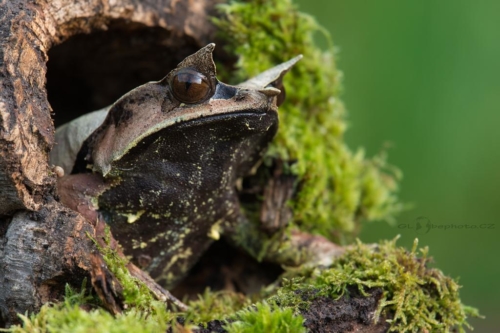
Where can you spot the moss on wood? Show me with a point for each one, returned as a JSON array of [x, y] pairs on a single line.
[[409, 295], [337, 187]]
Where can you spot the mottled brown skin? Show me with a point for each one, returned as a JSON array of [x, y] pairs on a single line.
[[181, 183], [163, 173]]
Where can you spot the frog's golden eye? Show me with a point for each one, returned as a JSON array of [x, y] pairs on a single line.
[[190, 86]]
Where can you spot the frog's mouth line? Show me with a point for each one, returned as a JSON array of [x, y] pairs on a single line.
[[234, 124], [265, 107], [249, 112]]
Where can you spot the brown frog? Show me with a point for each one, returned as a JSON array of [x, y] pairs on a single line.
[[160, 165]]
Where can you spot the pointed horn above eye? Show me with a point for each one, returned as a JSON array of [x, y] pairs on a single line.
[[202, 61], [270, 77]]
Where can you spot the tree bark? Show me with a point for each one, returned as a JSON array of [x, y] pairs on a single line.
[[41, 252]]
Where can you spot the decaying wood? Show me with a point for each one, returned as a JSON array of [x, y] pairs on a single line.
[[275, 212], [43, 245], [40, 252]]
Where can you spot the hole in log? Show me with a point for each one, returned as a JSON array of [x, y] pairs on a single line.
[[90, 71]]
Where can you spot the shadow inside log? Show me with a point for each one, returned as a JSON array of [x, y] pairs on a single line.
[[90, 71], [223, 267]]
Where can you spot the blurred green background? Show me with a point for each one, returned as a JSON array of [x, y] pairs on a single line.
[[425, 77]]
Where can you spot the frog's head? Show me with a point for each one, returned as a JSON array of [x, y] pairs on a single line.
[[189, 95]]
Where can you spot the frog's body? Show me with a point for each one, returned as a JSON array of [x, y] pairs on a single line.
[[163, 165], [173, 195]]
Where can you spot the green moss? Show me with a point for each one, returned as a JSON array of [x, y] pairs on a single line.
[[338, 187], [68, 316], [135, 292], [215, 305], [262, 246], [266, 318], [416, 297]]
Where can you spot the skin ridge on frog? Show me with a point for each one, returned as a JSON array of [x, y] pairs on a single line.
[[162, 168]]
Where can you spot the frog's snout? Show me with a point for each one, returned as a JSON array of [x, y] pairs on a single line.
[[270, 91], [268, 95]]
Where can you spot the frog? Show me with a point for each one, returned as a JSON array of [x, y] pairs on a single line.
[[161, 165]]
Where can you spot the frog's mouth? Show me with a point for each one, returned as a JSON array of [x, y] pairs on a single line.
[[250, 125], [241, 135]]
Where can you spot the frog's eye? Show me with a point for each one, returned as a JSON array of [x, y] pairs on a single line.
[[190, 86]]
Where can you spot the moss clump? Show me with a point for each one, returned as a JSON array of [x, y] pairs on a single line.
[[266, 318], [338, 188], [415, 298], [215, 306]]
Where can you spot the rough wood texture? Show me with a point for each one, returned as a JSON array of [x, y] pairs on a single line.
[[41, 251], [43, 245]]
